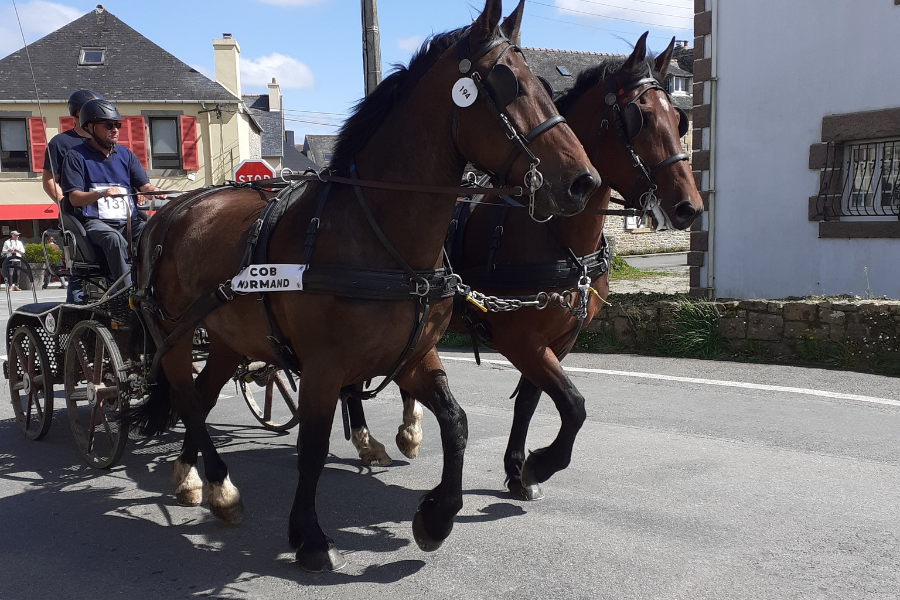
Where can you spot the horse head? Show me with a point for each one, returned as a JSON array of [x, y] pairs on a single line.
[[506, 124], [632, 131]]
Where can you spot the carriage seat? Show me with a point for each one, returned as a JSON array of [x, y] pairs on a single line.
[[86, 258]]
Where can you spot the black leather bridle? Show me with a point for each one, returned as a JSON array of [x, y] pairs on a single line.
[[499, 89], [629, 120]]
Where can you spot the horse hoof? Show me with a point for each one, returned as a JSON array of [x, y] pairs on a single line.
[[425, 541], [188, 485], [528, 493], [189, 497], [321, 561], [371, 452], [408, 448], [225, 502]]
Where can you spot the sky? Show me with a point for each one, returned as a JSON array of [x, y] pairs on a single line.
[[314, 47]]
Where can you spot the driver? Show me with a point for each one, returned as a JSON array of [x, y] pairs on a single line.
[[96, 176]]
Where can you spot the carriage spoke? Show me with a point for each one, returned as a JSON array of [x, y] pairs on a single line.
[[81, 352], [98, 361]]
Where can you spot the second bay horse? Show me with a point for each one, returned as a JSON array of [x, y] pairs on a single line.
[[621, 112]]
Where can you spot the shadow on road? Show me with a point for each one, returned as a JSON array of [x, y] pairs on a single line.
[[73, 528]]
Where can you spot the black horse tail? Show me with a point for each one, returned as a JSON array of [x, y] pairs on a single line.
[[156, 414]]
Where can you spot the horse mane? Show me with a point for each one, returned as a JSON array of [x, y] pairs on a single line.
[[368, 114], [594, 75]]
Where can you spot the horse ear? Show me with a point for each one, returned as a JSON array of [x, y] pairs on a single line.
[[637, 55], [485, 26], [512, 24], [664, 60]]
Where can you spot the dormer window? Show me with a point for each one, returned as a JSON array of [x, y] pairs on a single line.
[[92, 56], [680, 85]]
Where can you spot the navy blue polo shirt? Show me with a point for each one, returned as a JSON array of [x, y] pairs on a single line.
[[58, 147], [85, 169]]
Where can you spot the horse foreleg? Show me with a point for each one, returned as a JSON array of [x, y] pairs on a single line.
[[314, 550], [547, 374], [409, 434], [371, 451], [527, 397], [433, 520]]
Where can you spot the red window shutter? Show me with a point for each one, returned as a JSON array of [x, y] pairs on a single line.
[[66, 123], [138, 137], [190, 159], [37, 135], [125, 134]]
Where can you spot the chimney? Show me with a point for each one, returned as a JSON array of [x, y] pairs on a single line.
[[274, 96], [227, 55], [289, 138]]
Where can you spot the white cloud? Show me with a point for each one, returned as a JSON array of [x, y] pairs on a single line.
[[410, 44], [38, 19], [666, 20], [292, 2], [289, 72]]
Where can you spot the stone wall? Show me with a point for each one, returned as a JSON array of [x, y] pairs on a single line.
[[861, 330], [643, 241]]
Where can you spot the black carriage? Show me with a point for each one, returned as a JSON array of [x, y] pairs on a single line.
[[97, 351]]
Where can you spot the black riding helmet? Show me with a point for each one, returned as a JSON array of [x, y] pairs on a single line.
[[78, 99], [99, 110]]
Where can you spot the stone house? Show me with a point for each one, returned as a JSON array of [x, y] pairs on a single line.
[[797, 148]]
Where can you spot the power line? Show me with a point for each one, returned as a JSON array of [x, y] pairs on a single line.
[[308, 122], [608, 17], [615, 6], [686, 7], [316, 112]]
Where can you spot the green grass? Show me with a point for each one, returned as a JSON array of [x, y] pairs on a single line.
[[694, 331]]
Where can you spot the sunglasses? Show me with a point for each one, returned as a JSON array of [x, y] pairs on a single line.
[[109, 125]]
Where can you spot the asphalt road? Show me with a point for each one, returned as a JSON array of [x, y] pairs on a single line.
[[691, 479], [671, 261]]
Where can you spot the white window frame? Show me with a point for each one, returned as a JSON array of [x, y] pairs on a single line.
[[27, 169], [84, 63]]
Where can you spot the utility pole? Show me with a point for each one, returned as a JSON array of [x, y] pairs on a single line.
[[371, 45]]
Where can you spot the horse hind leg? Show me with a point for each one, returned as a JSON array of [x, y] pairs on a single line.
[[224, 499], [194, 402], [527, 396], [371, 451], [409, 434]]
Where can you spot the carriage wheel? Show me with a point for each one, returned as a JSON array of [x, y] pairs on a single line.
[[30, 383], [279, 411], [95, 394]]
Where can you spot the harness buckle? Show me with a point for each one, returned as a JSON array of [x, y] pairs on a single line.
[[421, 287], [223, 291]]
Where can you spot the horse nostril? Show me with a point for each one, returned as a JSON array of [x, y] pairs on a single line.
[[583, 187], [685, 213]]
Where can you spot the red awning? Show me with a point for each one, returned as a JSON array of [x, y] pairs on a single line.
[[17, 212]]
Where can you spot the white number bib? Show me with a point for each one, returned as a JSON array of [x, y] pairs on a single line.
[[111, 209]]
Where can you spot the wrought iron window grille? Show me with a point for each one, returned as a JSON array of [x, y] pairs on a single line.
[[860, 180]]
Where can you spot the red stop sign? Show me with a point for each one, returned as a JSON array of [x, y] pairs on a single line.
[[253, 170]]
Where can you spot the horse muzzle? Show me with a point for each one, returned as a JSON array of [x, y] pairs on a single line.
[[684, 214], [567, 200]]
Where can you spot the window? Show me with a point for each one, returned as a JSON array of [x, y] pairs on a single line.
[[92, 56], [563, 71], [680, 85], [872, 179], [13, 145], [164, 145]]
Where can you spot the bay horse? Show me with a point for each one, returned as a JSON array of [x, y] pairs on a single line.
[[623, 115], [375, 298]]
